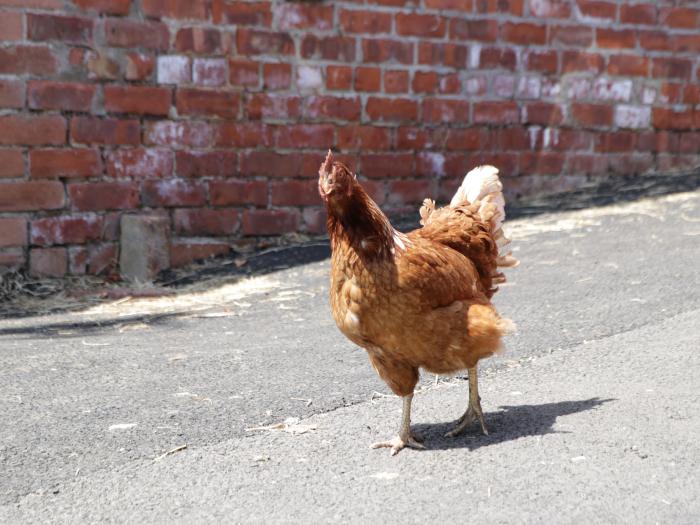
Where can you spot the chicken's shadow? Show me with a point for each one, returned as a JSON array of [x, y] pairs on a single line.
[[507, 424]]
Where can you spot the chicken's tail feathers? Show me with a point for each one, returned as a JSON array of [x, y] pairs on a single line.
[[482, 187]]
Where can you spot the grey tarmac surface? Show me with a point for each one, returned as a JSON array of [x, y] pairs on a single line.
[[593, 410]]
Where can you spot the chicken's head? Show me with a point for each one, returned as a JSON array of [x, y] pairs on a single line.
[[335, 180]]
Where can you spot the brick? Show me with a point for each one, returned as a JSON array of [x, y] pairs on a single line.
[[338, 77], [73, 30], [619, 141], [335, 108], [363, 138], [66, 230], [368, 79], [568, 140], [174, 69], [273, 106], [631, 164], [200, 40], [592, 115], [514, 139], [183, 253], [31, 196], [328, 48], [244, 72], [28, 60], [476, 85], [243, 135], [628, 65], [424, 82], [365, 21], [408, 191], [638, 14], [469, 139], [91, 130], [450, 5], [450, 84], [60, 95], [383, 50], [387, 165], [550, 8], [450, 55], [524, 34], [205, 222], [680, 17], [655, 40], [206, 163], [253, 42], [140, 163], [503, 86], [686, 43], [179, 134], [210, 72], [579, 36], [443, 110], [396, 81], [271, 164], [671, 68], [32, 130], [543, 163], [172, 193], [139, 66], [664, 118], [319, 136], [11, 93], [13, 258], [392, 109], [48, 262], [242, 13], [102, 66], [514, 7], [617, 90], [143, 100], [13, 231], [238, 193], [414, 24], [596, 9], [93, 196], [11, 26], [573, 61], [34, 4], [277, 76], [543, 113], [482, 30], [69, 163], [11, 163], [270, 222], [110, 7], [294, 193], [314, 220], [305, 16], [206, 102], [132, 33], [192, 9], [615, 39], [102, 260], [496, 112], [494, 58], [543, 61]]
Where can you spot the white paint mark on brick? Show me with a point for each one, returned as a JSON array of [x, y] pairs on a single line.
[[504, 86], [475, 56], [550, 89], [209, 71], [636, 117], [309, 78], [476, 85], [173, 69], [534, 132], [648, 95], [437, 163], [578, 88], [550, 137], [529, 87], [618, 90], [542, 8]]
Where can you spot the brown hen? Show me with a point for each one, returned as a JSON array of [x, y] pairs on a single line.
[[420, 300]]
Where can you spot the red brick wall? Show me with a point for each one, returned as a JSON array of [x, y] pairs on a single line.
[[217, 113]]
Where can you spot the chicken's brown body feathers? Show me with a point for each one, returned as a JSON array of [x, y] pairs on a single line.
[[421, 301]]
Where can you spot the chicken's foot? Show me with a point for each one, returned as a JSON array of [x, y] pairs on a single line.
[[406, 437], [473, 412]]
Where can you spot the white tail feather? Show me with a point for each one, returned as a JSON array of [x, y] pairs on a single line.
[[483, 187]]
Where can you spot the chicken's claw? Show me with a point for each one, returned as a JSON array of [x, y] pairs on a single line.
[[398, 443]]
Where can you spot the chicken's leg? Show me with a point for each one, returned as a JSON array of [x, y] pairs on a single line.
[[473, 411], [406, 438]]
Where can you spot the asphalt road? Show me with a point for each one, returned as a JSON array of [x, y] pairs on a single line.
[[594, 410]]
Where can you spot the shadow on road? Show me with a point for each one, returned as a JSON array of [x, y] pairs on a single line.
[[508, 424]]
